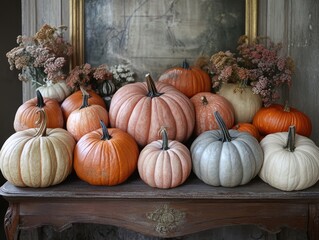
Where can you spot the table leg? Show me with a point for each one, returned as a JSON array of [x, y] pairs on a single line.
[[11, 221], [313, 227]]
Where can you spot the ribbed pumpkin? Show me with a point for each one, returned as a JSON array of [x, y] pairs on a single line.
[[37, 157], [86, 118], [58, 91], [142, 108], [26, 116], [105, 156], [74, 101], [164, 163], [188, 80], [278, 118], [291, 161], [248, 127], [244, 101], [225, 157], [205, 104]]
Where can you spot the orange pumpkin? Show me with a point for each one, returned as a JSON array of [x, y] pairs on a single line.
[[248, 127], [164, 163], [74, 101], [205, 104], [105, 156], [86, 118], [142, 108], [26, 115], [188, 80], [278, 118]]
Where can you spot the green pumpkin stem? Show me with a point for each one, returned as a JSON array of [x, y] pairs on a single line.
[[164, 138], [221, 124], [291, 140], [40, 101], [42, 123], [185, 64], [152, 91], [106, 135]]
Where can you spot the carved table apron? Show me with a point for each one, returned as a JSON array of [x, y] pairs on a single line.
[[190, 208]]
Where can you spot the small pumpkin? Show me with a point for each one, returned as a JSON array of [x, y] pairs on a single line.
[[188, 80], [106, 88], [205, 104], [244, 101], [37, 157], [225, 157], [26, 116], [75, 100], [164, 163], [58, 90], [248, 127], [105, 156], [278, 118], [86, 118], [291, 161], [141, 108]]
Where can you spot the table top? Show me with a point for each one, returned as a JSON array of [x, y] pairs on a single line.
[[135, 188]]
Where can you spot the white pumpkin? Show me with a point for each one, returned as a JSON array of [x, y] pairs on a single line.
[[291, 161], [244, 101], [58, 90], [226, 158]]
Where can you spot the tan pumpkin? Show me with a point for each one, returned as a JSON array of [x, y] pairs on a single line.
[[164, 163], [244, 101], [141, 108], [26, 116], [58, 91], [37, 157], [205, 104], [86, 118], [105, 156]]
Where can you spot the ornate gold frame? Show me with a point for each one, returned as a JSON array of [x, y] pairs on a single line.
[[77, 27]]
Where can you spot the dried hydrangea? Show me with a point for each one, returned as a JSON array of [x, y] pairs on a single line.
[[41, 57]]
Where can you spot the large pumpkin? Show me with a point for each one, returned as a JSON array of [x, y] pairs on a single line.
[[59, 90], [188, 80], [37, 157], [74, 101], [291, 161], [26, 116], [86, 118], [205, 104], [244, 101], [225, 157], [164, 163], [278, 118], [142, 108], [105, 156]]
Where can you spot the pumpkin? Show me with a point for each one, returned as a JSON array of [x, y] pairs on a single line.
[[26, 116], [205, 104], [248, 127], [141, 108], [291, 161], [58, 90], [188, 80], [105, 156], [106, 88], [225, 157], [244, 101], [164, 163], [86, 118], [74, 101], [278, 118], [37, 157]]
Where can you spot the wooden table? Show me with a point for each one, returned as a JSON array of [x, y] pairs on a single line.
[[187, 209]]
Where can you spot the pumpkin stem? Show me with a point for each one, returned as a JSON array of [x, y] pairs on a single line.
[[221, 124], [164, 138], [42, 122], [290, 146], [286, 107], [204, 100], [106, 135], [85, 100], [152, 91], [185, 64], [40, 101]]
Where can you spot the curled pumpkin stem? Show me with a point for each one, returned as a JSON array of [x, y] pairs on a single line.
[[42, 123]]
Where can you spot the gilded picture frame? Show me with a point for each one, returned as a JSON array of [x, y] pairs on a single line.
[[77, 27]]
